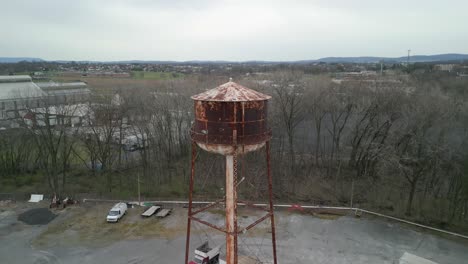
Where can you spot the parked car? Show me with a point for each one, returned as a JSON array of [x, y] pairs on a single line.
[[117, 212]]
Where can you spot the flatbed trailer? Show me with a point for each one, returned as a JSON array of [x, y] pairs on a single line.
[[163, 213], [150, 211]]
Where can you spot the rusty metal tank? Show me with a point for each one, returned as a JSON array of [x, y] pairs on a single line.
[[231, 117]]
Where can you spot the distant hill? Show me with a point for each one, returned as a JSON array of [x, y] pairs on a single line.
[[415, 58], [18, 59], [364, 59]]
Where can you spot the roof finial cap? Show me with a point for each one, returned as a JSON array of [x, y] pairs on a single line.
[[230, 79]]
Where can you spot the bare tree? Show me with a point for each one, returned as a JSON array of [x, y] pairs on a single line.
[[288, 94], [16, 154], [51, 129], [102, 136], [339, 110], [418, 144], [316, 91]]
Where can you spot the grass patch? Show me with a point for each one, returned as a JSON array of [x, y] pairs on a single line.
[[325, 216], [23, 183], [142, 75], [88, 226]]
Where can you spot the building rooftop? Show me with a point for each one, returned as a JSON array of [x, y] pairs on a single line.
[[81, 91], [66, 110], [64, 88], [18, 87], [231, 92], [15, 78], [61, 85]]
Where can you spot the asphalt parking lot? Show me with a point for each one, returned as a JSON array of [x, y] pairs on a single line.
[[80, 235]]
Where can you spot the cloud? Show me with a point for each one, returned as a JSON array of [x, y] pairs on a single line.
[[232, 30]]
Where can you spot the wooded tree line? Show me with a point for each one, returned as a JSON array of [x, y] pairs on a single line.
[[390, 144], [393, 145]]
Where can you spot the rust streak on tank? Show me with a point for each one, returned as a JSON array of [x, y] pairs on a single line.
[[231, 92]]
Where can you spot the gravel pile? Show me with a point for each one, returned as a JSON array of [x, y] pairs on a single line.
[[37, 216]]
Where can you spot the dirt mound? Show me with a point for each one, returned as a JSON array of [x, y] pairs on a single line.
[[37, 216]]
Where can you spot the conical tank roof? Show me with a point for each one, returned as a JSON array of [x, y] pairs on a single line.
[[231, 92]]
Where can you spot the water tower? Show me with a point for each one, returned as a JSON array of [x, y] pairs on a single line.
[[231, 120]]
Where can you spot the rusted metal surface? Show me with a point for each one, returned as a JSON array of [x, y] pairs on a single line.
[[231, 92], [220, 229], [270, 196], [230, 210], [231, 120], [215, 123], [235, 200], [230, 150], [207, 207], [258, 221], [192, 179]]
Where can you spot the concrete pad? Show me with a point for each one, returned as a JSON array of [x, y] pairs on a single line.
[[247, 260], [301, 239], [408, 258], [35, 198]]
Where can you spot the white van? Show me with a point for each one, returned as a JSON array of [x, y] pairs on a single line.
[[117, 212]]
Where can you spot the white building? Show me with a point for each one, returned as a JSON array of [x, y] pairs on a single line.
[[444, 67], [24, 102], [63, 93], [18, 93]]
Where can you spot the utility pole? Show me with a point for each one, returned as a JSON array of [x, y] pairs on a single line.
[[139, 197], [407, 62], [381, 67]]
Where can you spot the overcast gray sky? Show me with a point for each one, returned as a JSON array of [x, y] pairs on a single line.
[[230, 30]]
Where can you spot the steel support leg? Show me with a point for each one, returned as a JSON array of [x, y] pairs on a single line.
[[270, 194], [230, 211], [235, 207], [192, 178]]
